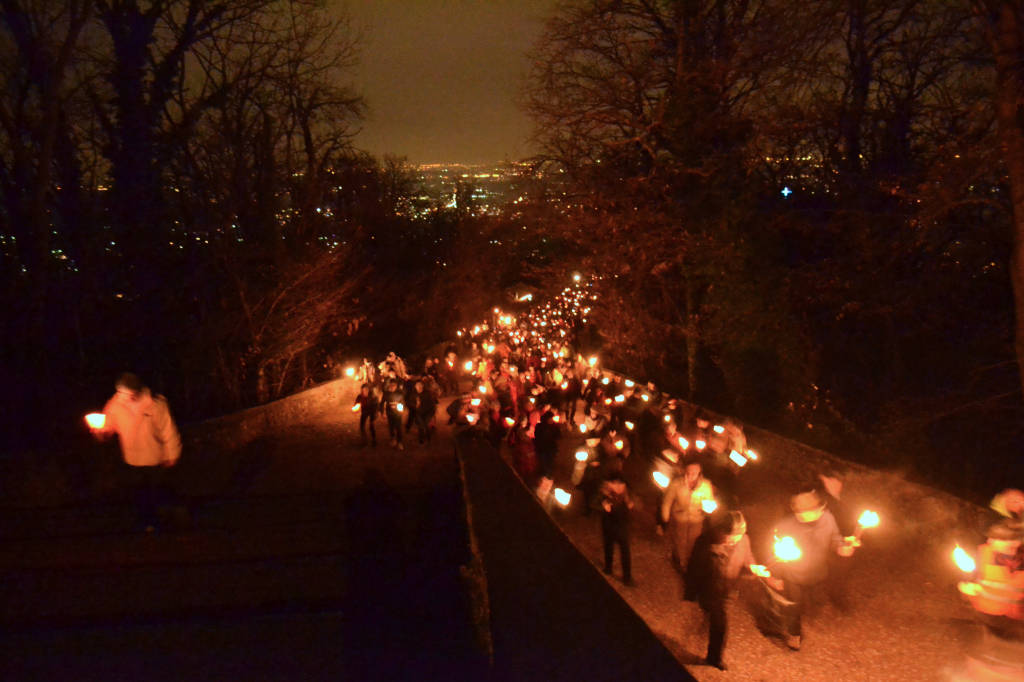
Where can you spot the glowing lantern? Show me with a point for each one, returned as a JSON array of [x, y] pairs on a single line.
[[739, 459], [700, 444], [96, 420], [719, 429], [963, 560], [752, 455], [620, 398], [629, 425], [619, 444], [668, 418], [509, 421], [350, 371], [562, 497], [708, 506], [605, 381], [357, 407], [660, 479], [786, 549], [683, 443], [583, 428], [645, 397], [582, 455], [483, 388], [400, 407], [607, 401], [565, 385], [630, 383], [471, 418], [475, 402], [468, 366]]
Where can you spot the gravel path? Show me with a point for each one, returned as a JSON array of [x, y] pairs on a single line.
[[907, 620]]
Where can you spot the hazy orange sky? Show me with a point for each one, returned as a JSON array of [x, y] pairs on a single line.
[[440, 77]]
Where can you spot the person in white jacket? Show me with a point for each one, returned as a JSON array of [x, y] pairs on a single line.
[[149, 441]]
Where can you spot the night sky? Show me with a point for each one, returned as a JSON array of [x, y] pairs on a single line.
[[440, 77]]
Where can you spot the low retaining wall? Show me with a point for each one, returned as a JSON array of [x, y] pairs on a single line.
[[552, 616]]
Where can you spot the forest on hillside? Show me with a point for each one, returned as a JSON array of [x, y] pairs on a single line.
[[801, 214]]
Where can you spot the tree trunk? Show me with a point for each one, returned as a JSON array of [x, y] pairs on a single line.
[[1007, 36], [692, 342]]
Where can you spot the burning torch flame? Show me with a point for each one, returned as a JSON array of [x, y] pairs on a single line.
[[719, 429], [668, 418], [562, 497], [592, 361], [752, 455], [475, 402], [509, 421], [629, 425], [738, 458], [582, 455], [356, 407], [760, 571], [605, 381], [620, 398], [709, 506], [350, 371], [786, 549], [618, 444], [565, 385], [471, 418], [96, 420], [700, 444], [468, 366], [683, 443], [868, 519], [400, 407], [483, 388], [661, 479], [963, 560], [583, 428], [629, 383], [646, 398]]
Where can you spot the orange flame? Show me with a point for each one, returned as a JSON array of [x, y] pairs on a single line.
[[964, 561], [661, 479], [96, 420], [868, 519], [786, 549]]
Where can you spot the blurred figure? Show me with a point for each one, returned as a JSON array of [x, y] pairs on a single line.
[[149, 440], [424, 407], [682, 508], [393, 407], [996, 592], [816, 534], [615, 505], [1009, 504], [545, 443], [718, 558], [368, 407]]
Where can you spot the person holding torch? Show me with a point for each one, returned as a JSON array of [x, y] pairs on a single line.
[[720, 555], [808, 538], [682, 508], [149, 440]]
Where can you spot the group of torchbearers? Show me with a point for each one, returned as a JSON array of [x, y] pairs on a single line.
[[405, 400], [528, 397]]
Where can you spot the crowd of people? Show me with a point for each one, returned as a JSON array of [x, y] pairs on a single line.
[[531, 388]]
